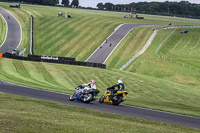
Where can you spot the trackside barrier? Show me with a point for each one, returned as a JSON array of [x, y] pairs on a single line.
[[141, 51], [31, 37], [53, 59]]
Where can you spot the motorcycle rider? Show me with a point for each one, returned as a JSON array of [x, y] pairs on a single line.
[[120, 86], [83, 88]]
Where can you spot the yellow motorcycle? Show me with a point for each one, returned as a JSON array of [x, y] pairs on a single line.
[[115, 99]]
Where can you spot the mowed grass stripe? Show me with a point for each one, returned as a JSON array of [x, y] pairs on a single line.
[[55, 27], [152, 65], [7, 74], [84, 36], [64, 45], [74, 45], [35, 73], [51, 42], [20, 114], [181, 47], [91, 41], [144, 91]]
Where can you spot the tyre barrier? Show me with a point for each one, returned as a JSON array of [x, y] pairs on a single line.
[[53, 59]]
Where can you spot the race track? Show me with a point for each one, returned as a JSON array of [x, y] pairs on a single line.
[[102, 53], [172, 118], [14, 33]]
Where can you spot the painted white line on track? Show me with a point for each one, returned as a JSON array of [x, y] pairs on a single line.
[[97, 100], [104, 41], [34, 88], [118, 44], [6, 30], [124, 38], [19, 26]]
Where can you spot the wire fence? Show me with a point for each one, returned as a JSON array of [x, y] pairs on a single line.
[[180, 63]]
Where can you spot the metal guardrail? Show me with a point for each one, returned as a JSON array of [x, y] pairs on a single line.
[[175, 27], [22, 52], [141, 51]]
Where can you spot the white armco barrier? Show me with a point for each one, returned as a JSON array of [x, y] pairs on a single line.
[[142, 50]]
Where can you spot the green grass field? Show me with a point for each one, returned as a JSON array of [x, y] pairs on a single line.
[[79, 36], [151, 81], [21, 114], [133, 43], [183, 48], [144, 91], [2, 30]]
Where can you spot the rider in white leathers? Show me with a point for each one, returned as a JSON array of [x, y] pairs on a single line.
[[90, 85]]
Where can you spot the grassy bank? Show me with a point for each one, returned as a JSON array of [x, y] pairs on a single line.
[[173, 59], [152, 82], [3, 29], [144, 91], [21, 114], [132, 44], [80, 35]]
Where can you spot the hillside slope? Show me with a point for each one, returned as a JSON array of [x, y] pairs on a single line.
[[173, 59], [144, 91]]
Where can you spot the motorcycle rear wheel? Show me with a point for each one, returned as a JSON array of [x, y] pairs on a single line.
[[116, 100]]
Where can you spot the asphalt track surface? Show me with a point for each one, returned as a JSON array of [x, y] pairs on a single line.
[[102, 53], [13, 38], [171, 118]]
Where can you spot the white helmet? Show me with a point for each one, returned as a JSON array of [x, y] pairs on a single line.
[[119, 81]]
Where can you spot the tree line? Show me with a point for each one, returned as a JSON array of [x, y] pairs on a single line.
[[183, 8], [74, 3]]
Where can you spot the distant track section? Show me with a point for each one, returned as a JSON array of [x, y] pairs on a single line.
[[172, 118], [102, 53], [14, 32]]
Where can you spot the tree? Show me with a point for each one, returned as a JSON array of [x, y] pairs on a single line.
[[75, 3], [65, 2], [100, 6], [108, 6], [50, 2]]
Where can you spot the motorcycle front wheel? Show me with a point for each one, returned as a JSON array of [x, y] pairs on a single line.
[[88, 98], [72, 97], [101, 100]]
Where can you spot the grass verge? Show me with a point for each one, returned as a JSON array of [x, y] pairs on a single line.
[[21, 114], [144, 91], [173, 59]]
